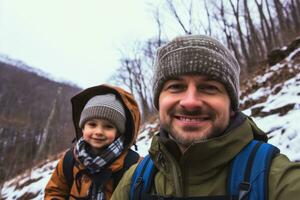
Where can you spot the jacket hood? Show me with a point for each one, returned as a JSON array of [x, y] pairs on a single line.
[[132, 112]]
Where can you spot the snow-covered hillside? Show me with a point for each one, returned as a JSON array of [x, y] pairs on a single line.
[[279, 113], [275, 107]]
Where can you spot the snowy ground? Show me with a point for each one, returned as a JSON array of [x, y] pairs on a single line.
[[28, 186], [284, 132]]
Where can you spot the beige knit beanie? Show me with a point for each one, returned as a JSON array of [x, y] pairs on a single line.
[[107, 107]]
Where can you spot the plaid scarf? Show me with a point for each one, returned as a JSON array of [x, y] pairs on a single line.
[[98, 163]]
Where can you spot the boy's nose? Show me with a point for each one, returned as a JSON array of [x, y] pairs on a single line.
[[99, 130]]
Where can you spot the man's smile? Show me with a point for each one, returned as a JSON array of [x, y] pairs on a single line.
[[192, 120]]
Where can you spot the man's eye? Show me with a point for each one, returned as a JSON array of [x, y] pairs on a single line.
[[175, 87], [209, 88]]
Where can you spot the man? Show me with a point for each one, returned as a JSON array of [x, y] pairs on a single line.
[[196, 91]]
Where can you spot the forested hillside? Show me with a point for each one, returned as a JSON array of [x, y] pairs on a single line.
[[35, 117]]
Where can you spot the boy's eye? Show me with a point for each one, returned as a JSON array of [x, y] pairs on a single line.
[[92, 124], [108, 126]]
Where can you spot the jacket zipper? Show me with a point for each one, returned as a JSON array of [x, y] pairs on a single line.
[[176, 174]]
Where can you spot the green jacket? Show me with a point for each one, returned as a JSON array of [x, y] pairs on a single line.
[[203, 168]]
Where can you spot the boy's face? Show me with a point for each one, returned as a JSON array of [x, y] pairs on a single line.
[[99, 133]]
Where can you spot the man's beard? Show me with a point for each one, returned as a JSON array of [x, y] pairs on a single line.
[[185, 141]]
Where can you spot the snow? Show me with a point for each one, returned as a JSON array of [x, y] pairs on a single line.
[[260, 92], [287, 95], [144, 144], [291, 55], [264, 78], [11, 190], [283, 131]]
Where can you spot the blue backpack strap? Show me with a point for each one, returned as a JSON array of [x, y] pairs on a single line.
[[142, 178], [248, 178]]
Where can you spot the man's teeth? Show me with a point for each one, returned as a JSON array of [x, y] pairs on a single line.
[[192, 119]]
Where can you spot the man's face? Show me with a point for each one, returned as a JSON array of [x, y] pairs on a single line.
[[194, 108]]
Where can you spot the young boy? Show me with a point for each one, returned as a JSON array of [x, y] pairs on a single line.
[[106, 121]]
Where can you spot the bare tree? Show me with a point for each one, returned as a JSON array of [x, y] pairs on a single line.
[[174, 11], [159, 28], [226, 27], [295, 13], [209, 31], [281, 19], [133, 75], [275, 37], [236, 13], [256, 48], [288, 19], [268, 37]]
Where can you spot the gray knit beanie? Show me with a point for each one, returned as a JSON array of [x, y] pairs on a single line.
[[196, 54], [104, 107]]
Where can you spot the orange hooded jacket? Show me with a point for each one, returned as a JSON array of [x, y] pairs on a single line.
[[57, 187]]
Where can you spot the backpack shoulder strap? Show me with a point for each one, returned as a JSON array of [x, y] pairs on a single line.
[[131, 158], [142, 178], [68, 164], [248, 178]]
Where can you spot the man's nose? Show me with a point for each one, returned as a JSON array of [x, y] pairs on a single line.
[[191, 99]]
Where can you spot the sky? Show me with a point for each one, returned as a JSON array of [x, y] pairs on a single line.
[[73, 40]]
